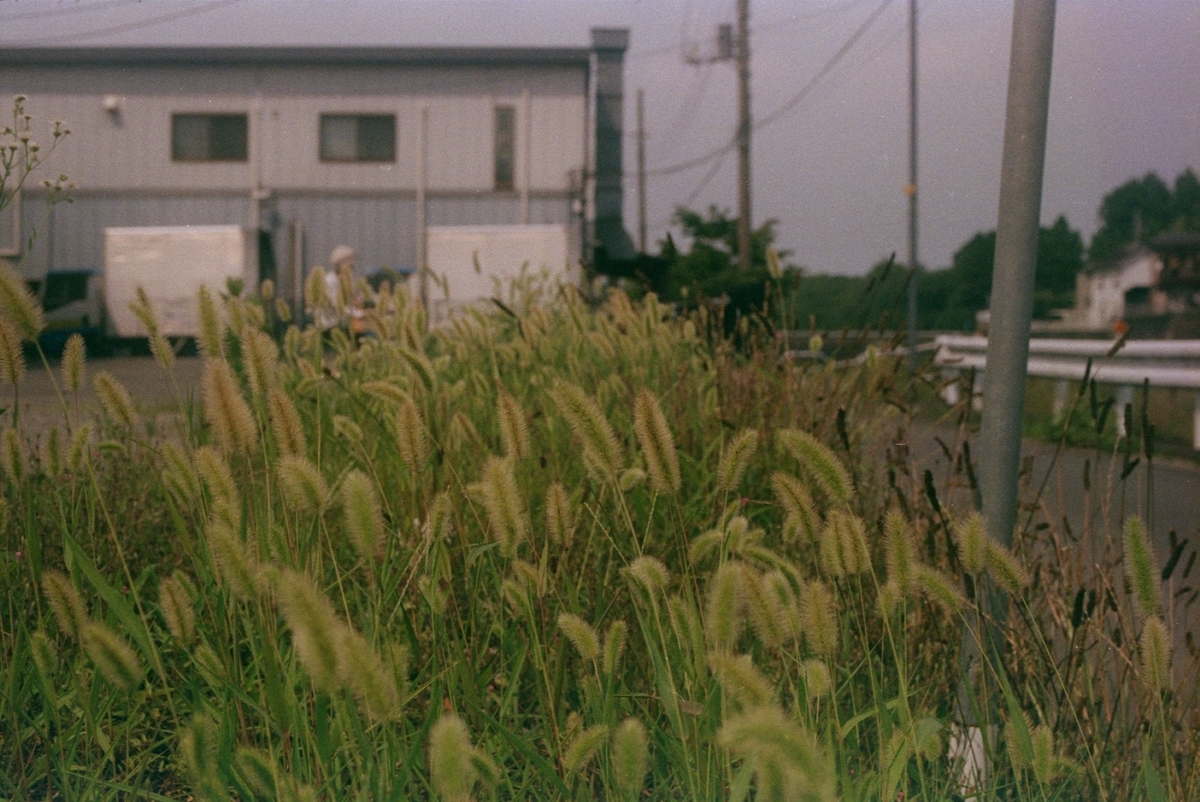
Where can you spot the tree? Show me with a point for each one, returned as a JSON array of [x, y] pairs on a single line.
[[1133, 212]]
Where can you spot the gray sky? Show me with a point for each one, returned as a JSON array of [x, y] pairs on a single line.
[[1125, 96]]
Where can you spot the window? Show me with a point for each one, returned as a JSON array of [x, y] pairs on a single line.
[[65, 288], [506, 124], [209, 137], [358, 137]]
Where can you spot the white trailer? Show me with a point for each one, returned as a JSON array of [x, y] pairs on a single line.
[[471, 264], [171, 263]]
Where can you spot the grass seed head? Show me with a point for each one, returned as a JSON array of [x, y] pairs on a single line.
[[798, 504], [114, 398], [226, 411], [765, 610], [372, 681], [601, 451], [214, 471], [210, 341], [817, 679], [14, 457], [1042, 761], [54, 464], [302, 484], [820, 461], [819, 614], [177, 610], [81, 449], [19, 305], [45, 655], [112, 656], [315, 628], [64, 601], [286, 424], [630, 756], [261, 357], [1141, 568], [657, 443], [585, 746], [723, 617], [179, 476], [650, 574], [740, 680], [939, 588], [256, 769], [1156, 654], [514, 426], [363, 515], [788, 762], [410, 437], [972, 538], [12, 355], [581, 634], [234, 564], [505, 509], [560, 519], [73, 358], [735, 459], [614, 646], [1004, 568], [451, 771], [899, 551]]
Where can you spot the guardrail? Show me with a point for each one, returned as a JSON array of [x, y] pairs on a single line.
[[1164, 363]]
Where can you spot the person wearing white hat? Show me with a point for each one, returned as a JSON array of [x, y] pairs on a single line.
[[339, 286]]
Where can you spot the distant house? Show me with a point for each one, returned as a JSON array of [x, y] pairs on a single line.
[[320, 146]]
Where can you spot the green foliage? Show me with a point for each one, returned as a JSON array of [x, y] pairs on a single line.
[[1141, 208]]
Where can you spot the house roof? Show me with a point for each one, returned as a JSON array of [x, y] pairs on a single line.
[[293, 56]]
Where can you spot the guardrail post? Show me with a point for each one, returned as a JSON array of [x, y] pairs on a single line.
[[1062, 395], [949, 391], [1196, 424]]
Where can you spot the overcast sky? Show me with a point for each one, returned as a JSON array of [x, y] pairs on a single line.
[[1125, 96]]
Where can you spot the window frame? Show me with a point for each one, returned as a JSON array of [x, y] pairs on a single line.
[[357, 117], [177, 158], [504, 141]]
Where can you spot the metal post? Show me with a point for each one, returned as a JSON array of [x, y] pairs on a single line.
[[1011, 312], [743, 133], [641, 176], [911, 189], [526, 154], [422, 267]]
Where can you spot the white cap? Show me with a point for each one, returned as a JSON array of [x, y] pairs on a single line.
[[341, 254]]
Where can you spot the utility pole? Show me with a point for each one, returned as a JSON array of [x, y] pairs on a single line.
[[911, 189], [743, 132], [641, 177]]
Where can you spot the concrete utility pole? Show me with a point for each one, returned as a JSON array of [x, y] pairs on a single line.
[[911, 189], [641, 176], [743, 133]]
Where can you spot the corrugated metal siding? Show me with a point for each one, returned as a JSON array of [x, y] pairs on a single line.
[[381, 229]]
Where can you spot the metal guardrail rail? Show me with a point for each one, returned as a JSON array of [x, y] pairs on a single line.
[[1164, 363]]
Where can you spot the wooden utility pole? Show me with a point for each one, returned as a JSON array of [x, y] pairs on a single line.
[[641, 176], [743, 133], [911, 189]]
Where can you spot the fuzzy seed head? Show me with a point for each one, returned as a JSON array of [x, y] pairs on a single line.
[[1141, 568], [601, 451], [1156, 654], [179, 476], [819, 617], [816, 677], [45, 655], [19, 306], [214, 470], [1042, 761], [112, 656], [723, 617], [210, 341], [765, 609], [12, 356], [451, 771], [819, 461], [161, 350], [736, 459], [72, 363], [363, 515], [226, 411], [177, 609], [235, 566], [410, 437], [367, 676], [1004, 568], [315, 628], [614, 646], [657, 443], [797, 503], [585, 746], [581, 634], [649, 573], [387, 392], [286, 424], [560, 519], [303, 486], [899, 551], [114, 398], [939, 588], [850, 533], [314, 290], [81, 444], [972, 538], [144, 312], [65, 603], [14, 457], [788, 762], [514, 426], [505, 509], [630, 756], [261, 357], [256, 769], [740, 680]]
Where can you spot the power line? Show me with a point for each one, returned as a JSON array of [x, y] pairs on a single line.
[[794, 101], [78, 8], [130, 26]]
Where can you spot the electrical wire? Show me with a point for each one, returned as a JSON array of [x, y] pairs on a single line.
[[794, 101], [129, 26], [59, 11]]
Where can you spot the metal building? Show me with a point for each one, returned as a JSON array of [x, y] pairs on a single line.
[[320, 146]]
